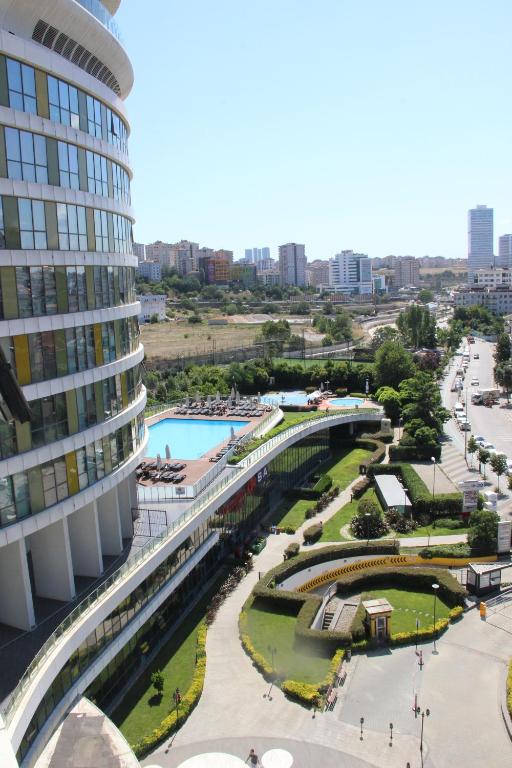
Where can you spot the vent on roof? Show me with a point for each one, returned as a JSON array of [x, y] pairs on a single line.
[[72, 51]]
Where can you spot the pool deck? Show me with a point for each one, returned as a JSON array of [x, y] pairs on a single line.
[[196, 468]]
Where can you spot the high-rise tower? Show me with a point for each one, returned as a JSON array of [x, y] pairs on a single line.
[[480, 238]]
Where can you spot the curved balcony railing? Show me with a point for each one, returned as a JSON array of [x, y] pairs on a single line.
[[215, 490], [98, 10]]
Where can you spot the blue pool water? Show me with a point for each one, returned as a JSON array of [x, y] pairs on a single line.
[[189, 438], [286, 398], [348, 402]]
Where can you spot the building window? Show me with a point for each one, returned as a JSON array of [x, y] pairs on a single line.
[[94, 117], [101, 231], [26, 156], [63, 101], [97, 178], [68, 165], [72, 227], [32, 224], [22, 86]]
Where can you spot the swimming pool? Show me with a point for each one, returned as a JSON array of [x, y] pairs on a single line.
[[347, 402], [286, 398], [189, 438]]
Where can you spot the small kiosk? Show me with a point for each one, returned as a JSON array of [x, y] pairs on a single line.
[[482, 578], [378, 618]]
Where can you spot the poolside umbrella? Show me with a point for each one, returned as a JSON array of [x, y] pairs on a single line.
[[259, 397], [238, 396], [217, 397], [187, 401], [208, 401], [167, 452], [232, 393], [321, 386], [232, 432], [229, 401], [198, 397], [158, 461]]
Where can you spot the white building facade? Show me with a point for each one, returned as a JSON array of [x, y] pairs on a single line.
[[350, 272], [150, 271], [151, 304]]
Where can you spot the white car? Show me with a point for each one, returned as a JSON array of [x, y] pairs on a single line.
[[480, 439], [476, 356], [465, 426], [475, 382]]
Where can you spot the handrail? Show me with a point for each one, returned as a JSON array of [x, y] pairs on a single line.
[[196, 508], [98, 10]]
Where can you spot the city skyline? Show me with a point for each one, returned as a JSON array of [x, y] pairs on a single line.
[[397, 177]]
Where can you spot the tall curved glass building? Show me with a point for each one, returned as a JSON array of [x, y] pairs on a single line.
[[68, 312]]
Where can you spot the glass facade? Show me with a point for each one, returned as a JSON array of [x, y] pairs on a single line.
[[45, 225], [50, 290], [58, 416], [29, 492], [42, 356], [33, 90]]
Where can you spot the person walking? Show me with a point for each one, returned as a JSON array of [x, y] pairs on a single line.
[[253, 758]]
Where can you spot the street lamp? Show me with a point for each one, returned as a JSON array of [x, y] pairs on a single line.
[[427, 713], [405, 501], [466, 430], [367, 515], [434, 462], [435, 587], [399, 427], [361, 723]]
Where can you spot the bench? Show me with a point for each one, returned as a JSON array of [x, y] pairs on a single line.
[[331, 699]]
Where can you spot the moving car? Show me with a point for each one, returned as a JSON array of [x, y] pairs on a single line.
[[465, 426], [476, 356]]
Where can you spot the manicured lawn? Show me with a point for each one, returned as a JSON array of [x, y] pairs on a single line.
[[331, 530], [142, 711], [408, 606], [277, 630], [425, 530], [344, 466], [290, 513]]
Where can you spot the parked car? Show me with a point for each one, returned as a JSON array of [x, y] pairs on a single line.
[[480, 439], [465, 426], [476, 356], [475, 382], [489, 447]]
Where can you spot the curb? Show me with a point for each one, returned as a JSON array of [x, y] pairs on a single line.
[[503, 704]]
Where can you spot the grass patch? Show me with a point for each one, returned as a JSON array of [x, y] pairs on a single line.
[[343, 516], [269, 629], [142, 711], [344, 466], [409, 606], [425, 530], [290, 513]]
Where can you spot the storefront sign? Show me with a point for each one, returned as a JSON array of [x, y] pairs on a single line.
[[469, 490], [504, 536]]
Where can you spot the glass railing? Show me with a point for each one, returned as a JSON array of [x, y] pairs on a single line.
[[99, 12], [215, 490]]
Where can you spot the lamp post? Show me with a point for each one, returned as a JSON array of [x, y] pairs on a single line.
[[435, 587], [434, 462], [405, 501], [399, 427], [465, 429], [391, 734], [427, 713], [361, 723], [367, 515]]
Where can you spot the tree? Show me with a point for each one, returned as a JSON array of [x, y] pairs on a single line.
[[389, 398], [302, 308], [154, 318], [472, 447], [417, 327], [499, 465], [483, 531], [328, 308], [422, 400], [503, 349], [503, 376], [483, 458], [392, 364], [157, 681], [425, 295], [368, 523], [381, 335]]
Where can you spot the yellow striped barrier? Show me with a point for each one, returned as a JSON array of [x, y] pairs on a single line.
[[390, 561]]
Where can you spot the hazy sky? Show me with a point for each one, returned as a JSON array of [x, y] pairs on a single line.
[[340, 124]]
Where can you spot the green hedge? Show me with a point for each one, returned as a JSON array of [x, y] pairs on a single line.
[[446, 550], [418, 579], [323, 484], [422, 502], [414, 452], [312, 533], [382, 437]]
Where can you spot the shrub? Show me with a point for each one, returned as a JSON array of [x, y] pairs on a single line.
[[289, 529], [414, 452], [303, 692], [399, 522], [368, 523], [446, 550], [483, 531], [309, 513], [359, 488], [309, 390], [359, 394], [382, 437], [402, 638], [323, 483], [292, 550], [312, 533], [456, 613], [157, 681], [449, 522], [341, 391]]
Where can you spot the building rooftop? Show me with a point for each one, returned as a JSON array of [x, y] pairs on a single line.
[[380, 605], [392, 492]]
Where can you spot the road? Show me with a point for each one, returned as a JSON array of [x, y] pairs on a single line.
[[495, 424]]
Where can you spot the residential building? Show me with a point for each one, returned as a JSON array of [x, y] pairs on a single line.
[[406, 272], [351, 272], [318, 273], [292, 264], [267, 264], [187, 257], [497, 300], [256, 255], [151, 304], [505, 251], [491, 278], [379, 284], [270, 276], [150, 271], [69, 331], [164, 253], [139, 250], [480, 238], [244, 274]]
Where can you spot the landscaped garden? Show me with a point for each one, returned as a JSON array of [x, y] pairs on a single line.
[[409, 606]]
